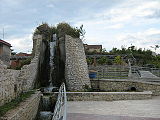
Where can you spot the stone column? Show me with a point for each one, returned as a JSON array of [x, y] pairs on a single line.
[[76, 70]]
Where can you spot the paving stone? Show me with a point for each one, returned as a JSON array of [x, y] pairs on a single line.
[[132, 109]]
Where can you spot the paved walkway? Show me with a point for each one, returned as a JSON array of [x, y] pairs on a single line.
[[115, 110], [147, 74]]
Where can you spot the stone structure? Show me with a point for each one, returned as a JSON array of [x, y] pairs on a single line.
[[27, 110], [37, 41], [125, 85], [93, 48], [5, 52], [9, 86], [60, 58], [28, 75], [13, 82], [108, 96], [41, 49], [76, 70]]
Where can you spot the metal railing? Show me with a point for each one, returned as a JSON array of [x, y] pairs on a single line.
[[155, 71], [60, 112], [111, 72], [135, 71]]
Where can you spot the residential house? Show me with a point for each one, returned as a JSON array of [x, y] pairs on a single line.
[[93, 48], [5, 52], [17, 59]]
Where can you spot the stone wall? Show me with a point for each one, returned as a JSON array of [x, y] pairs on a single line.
[[125, 85], [76, 70], [13, 82], [107, 96], [58, 76], [43, 64], [9, 86], [28, 74], [27, 110], [37, 40]]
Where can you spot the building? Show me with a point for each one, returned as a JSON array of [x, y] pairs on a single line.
[[93, 48], [5, 52], [18, 59]]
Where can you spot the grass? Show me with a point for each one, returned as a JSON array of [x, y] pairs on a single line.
[[15, 102]]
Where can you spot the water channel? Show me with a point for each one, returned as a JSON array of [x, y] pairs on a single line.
[[47, 103]]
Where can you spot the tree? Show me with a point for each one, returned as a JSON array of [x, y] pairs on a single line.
[[104, 51], [45, 30], [155, 47], [89, 61], [118, 60], [102, 60], [60, 29], [65, 28]]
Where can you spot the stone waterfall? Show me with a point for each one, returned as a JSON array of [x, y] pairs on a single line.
[[51, 63], [46, 104]]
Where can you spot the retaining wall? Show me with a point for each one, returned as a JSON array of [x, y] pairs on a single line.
[[27, 110], [9, 86], [107, 96], [124, 85], [13, 82]]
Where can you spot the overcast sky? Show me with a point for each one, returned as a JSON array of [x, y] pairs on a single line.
[[112, 23]]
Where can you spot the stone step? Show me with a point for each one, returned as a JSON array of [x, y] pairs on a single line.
[[147, 74]]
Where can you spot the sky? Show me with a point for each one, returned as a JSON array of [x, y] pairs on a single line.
[[111, 23]]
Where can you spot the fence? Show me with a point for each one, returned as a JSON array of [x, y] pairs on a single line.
[[111, 71], [60, 112], [135, 71], [155, 71]]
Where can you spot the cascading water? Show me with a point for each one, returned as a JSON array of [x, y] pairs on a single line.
[[44, 115], [46, 104], [52, 53]]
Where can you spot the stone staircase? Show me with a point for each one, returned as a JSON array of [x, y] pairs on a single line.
[[147, 74]]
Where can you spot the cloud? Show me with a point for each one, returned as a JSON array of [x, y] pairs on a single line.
[[115, 26], [50, 5], [111, 23], [132, 10], [21, 44], [145, 39]]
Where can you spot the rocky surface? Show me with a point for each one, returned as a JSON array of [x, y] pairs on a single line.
[[76, 70], [27, 110], [13, 82]]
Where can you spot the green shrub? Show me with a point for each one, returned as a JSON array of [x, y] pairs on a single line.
[[15, 102], [87, 88]]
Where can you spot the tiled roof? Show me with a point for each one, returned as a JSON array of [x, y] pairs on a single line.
[[6, 43]]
